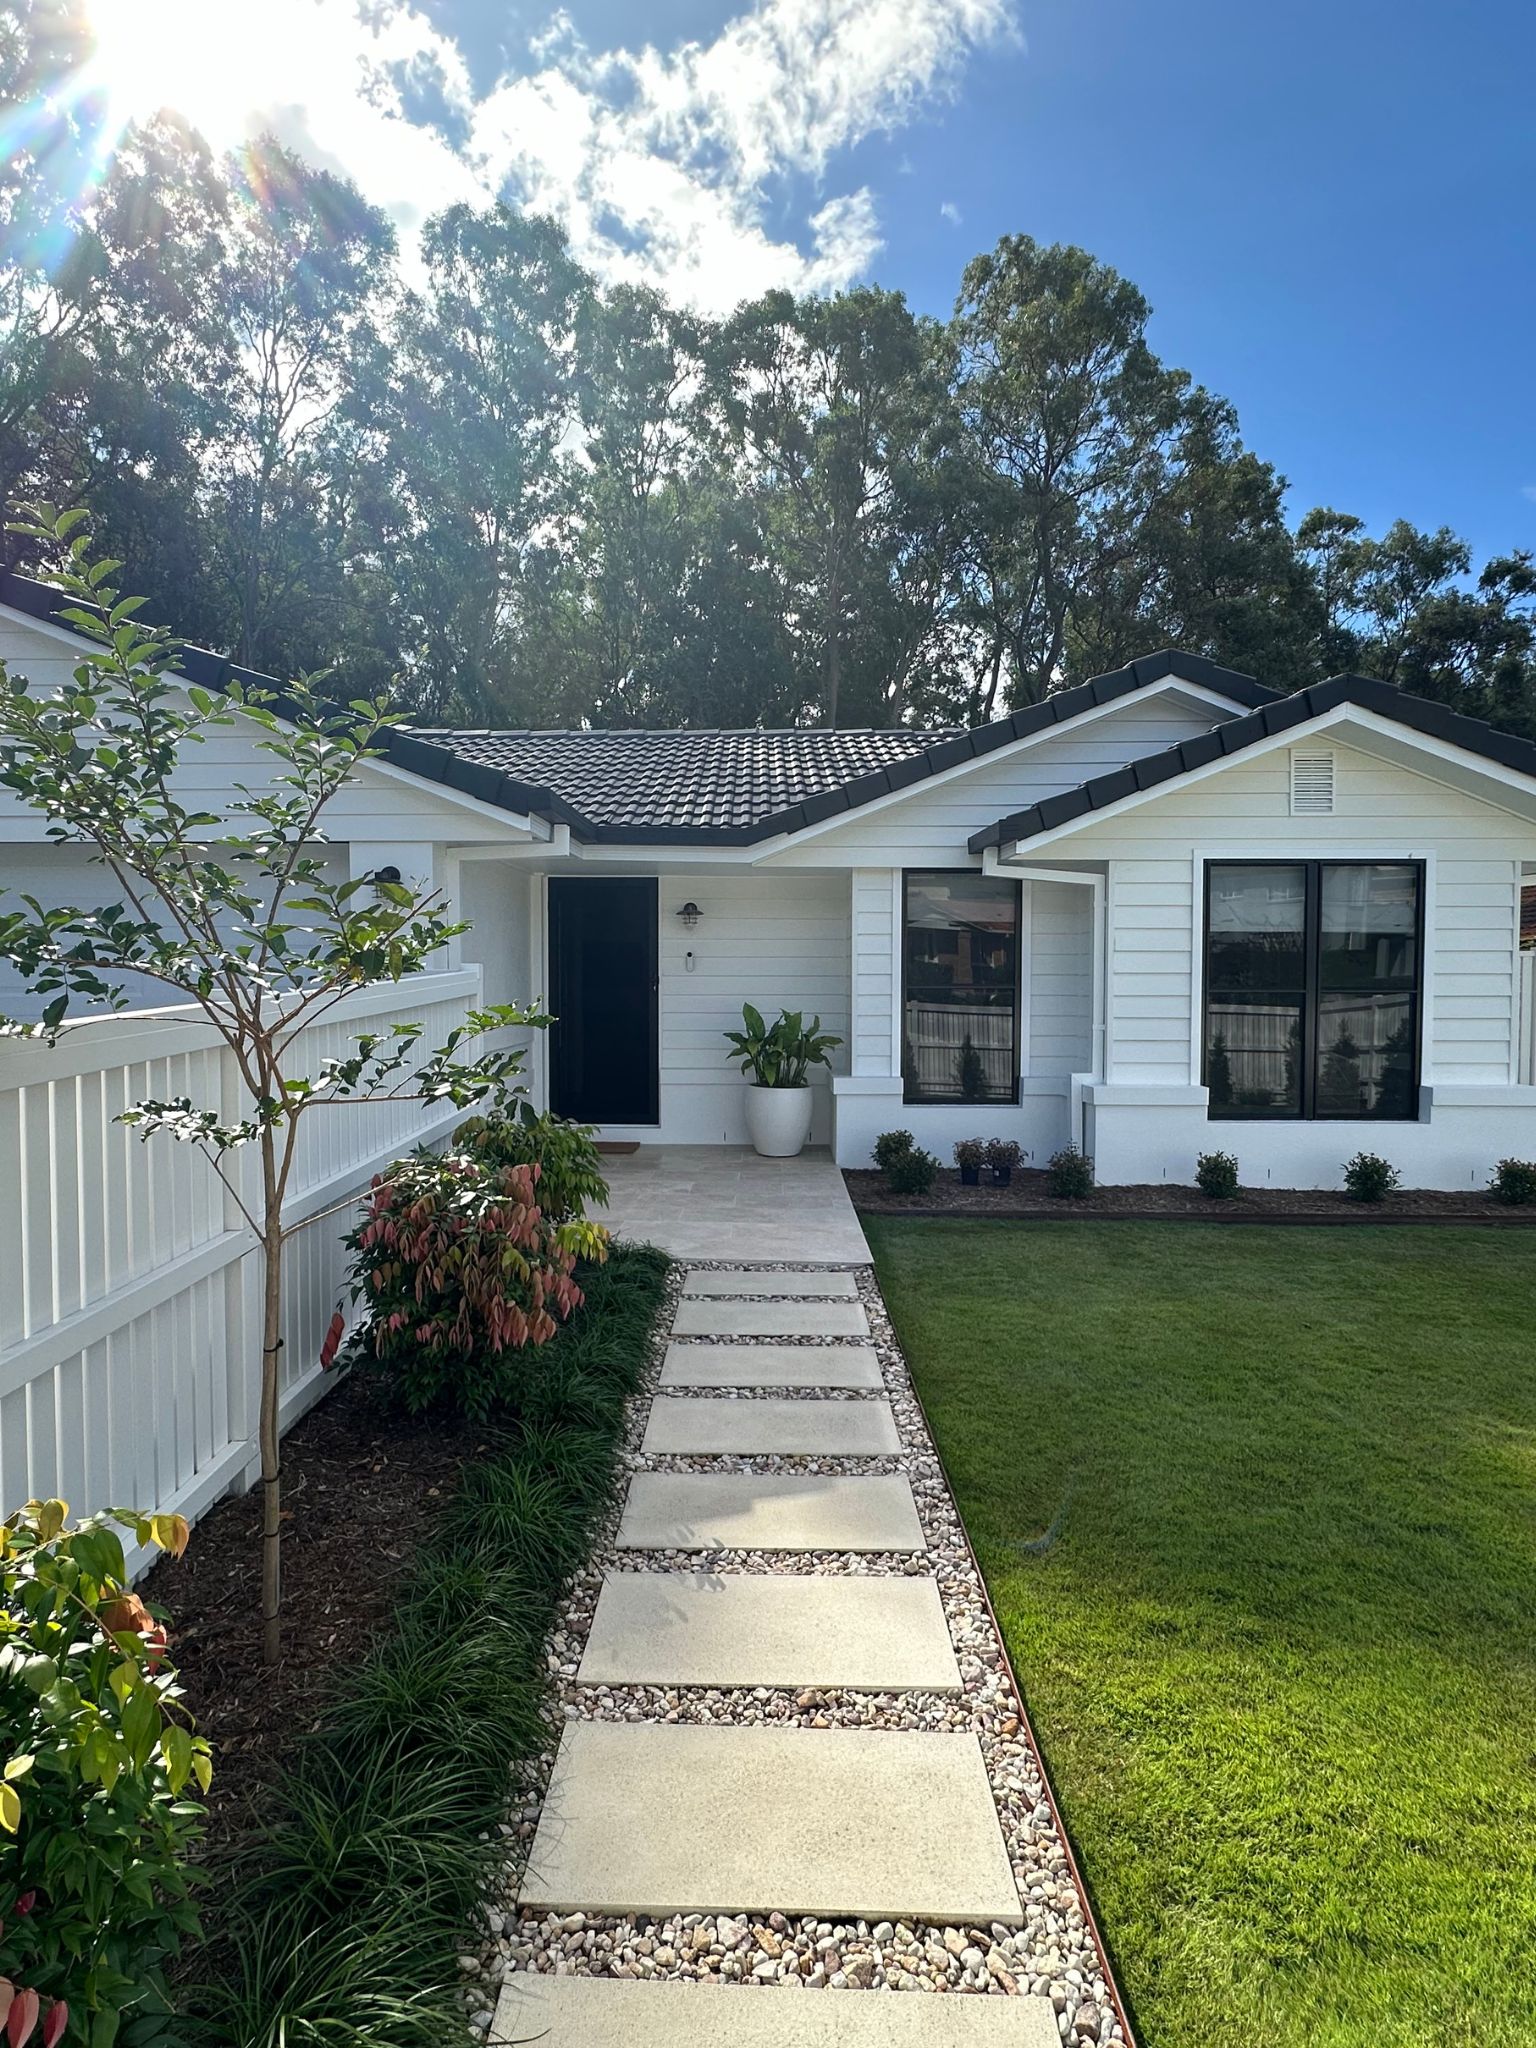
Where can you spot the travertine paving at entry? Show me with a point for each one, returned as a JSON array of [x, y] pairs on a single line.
[[770, 1319], [646, 1817], [689, 1628], [803, 1429], [586, 2012], [724, 1280], [851, 1367], [769, 1511]]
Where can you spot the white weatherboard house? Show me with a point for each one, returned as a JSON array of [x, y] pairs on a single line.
[[1165, 912]]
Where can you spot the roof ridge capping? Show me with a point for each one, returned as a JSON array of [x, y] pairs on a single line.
[[1267, 720]]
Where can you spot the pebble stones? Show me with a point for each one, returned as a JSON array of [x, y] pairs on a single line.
[[1052, 1955]]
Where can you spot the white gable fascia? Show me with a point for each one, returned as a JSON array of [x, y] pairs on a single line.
[[49, 629], [1420, 753], [1165, 686]]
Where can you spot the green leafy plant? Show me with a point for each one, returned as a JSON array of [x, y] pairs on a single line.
[[1069, 1174], [235, 911], [462, 1271], [1370, 1178], [343, 1926], [781, 1054], [1216, 1175], [969, 1154], [1003, 1155], [912, 1172], [96, 1824], [1514, 1182], [566, 1154], [891, 1146]]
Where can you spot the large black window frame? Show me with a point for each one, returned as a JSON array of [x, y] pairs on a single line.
[[990, 1087], [1328, 1075]]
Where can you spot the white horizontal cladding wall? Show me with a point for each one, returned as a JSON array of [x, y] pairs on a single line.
[[379, 804], [1382, 811], [929, 826], [1141, 1134], [129, 1288], [778, 941], [867, 1105]]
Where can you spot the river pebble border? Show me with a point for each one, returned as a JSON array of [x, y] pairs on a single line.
[[1052, 1955]]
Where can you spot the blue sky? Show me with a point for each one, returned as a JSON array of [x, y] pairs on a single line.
[[1328, 205]]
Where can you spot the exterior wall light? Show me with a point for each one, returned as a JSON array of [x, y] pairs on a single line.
[[384, 877], [690, 915]]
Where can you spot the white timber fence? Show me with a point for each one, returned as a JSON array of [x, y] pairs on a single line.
[[130, 1287], [1527, 1067]]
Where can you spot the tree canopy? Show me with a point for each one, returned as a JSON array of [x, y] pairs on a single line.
[[532, 498]]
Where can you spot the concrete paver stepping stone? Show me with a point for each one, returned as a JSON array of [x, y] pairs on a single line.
[[823, 1284], [791, 1429], [851, 1366], [846, 1823], [770, 1319], [689, 1628], [769, 1511], [596, 2012]]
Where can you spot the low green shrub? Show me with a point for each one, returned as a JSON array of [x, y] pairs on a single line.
[[1216, 1175], [341, 1928], [1514, 1182], [912, 1173], [96, 1824], [462, 1272], [570, 1165], [890, 1146], [1369, 1178], [1069, 1175]]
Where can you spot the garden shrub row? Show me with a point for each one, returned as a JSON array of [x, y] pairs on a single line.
[[909, 1170], [343, 1924]]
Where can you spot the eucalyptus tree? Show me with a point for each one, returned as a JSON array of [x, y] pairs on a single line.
[[483, 414]]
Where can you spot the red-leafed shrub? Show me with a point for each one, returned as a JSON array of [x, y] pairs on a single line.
[[462, 1272]]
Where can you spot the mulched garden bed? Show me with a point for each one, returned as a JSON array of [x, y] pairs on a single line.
[[358, 1482], [1027, 1197]]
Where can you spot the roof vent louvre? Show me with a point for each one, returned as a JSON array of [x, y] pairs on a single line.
[[1311, 783]]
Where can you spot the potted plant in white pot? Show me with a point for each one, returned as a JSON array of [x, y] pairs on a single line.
[[776, 1059]]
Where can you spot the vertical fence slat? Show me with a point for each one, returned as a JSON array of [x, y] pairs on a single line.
[[122, 1380]]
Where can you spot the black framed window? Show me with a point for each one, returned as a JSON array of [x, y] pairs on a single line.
[[960, 994], [1313, 988]]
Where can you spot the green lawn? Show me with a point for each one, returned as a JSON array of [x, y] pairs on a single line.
[[1281, 1654]]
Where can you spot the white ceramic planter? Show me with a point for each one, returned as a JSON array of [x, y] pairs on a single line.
[[778, 1120]]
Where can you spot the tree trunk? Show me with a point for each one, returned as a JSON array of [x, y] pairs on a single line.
[[267, 1429]]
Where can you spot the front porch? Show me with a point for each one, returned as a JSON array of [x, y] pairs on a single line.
[[724, 1202]]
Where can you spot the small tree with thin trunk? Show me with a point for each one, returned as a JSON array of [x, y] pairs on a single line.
[[234, 911]]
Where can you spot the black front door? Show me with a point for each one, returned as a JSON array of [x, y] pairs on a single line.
[[602, 971]]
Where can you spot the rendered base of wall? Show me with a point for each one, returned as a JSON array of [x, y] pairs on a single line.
[[712, 1113], [867, 1104], [1139, 1135]]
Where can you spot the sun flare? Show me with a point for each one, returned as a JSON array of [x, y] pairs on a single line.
[[209, 62]]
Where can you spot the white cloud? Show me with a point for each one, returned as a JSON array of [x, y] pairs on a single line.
[[667, 165], [950, 212]]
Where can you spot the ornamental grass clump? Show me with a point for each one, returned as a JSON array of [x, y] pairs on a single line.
[[100, 1762], [463, 1271]]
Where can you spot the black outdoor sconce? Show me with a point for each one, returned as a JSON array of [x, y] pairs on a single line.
[[384, 878], [690, 915]]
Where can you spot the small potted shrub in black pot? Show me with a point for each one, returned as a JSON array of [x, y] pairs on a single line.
[[1003, 1155], [969, 1154]]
